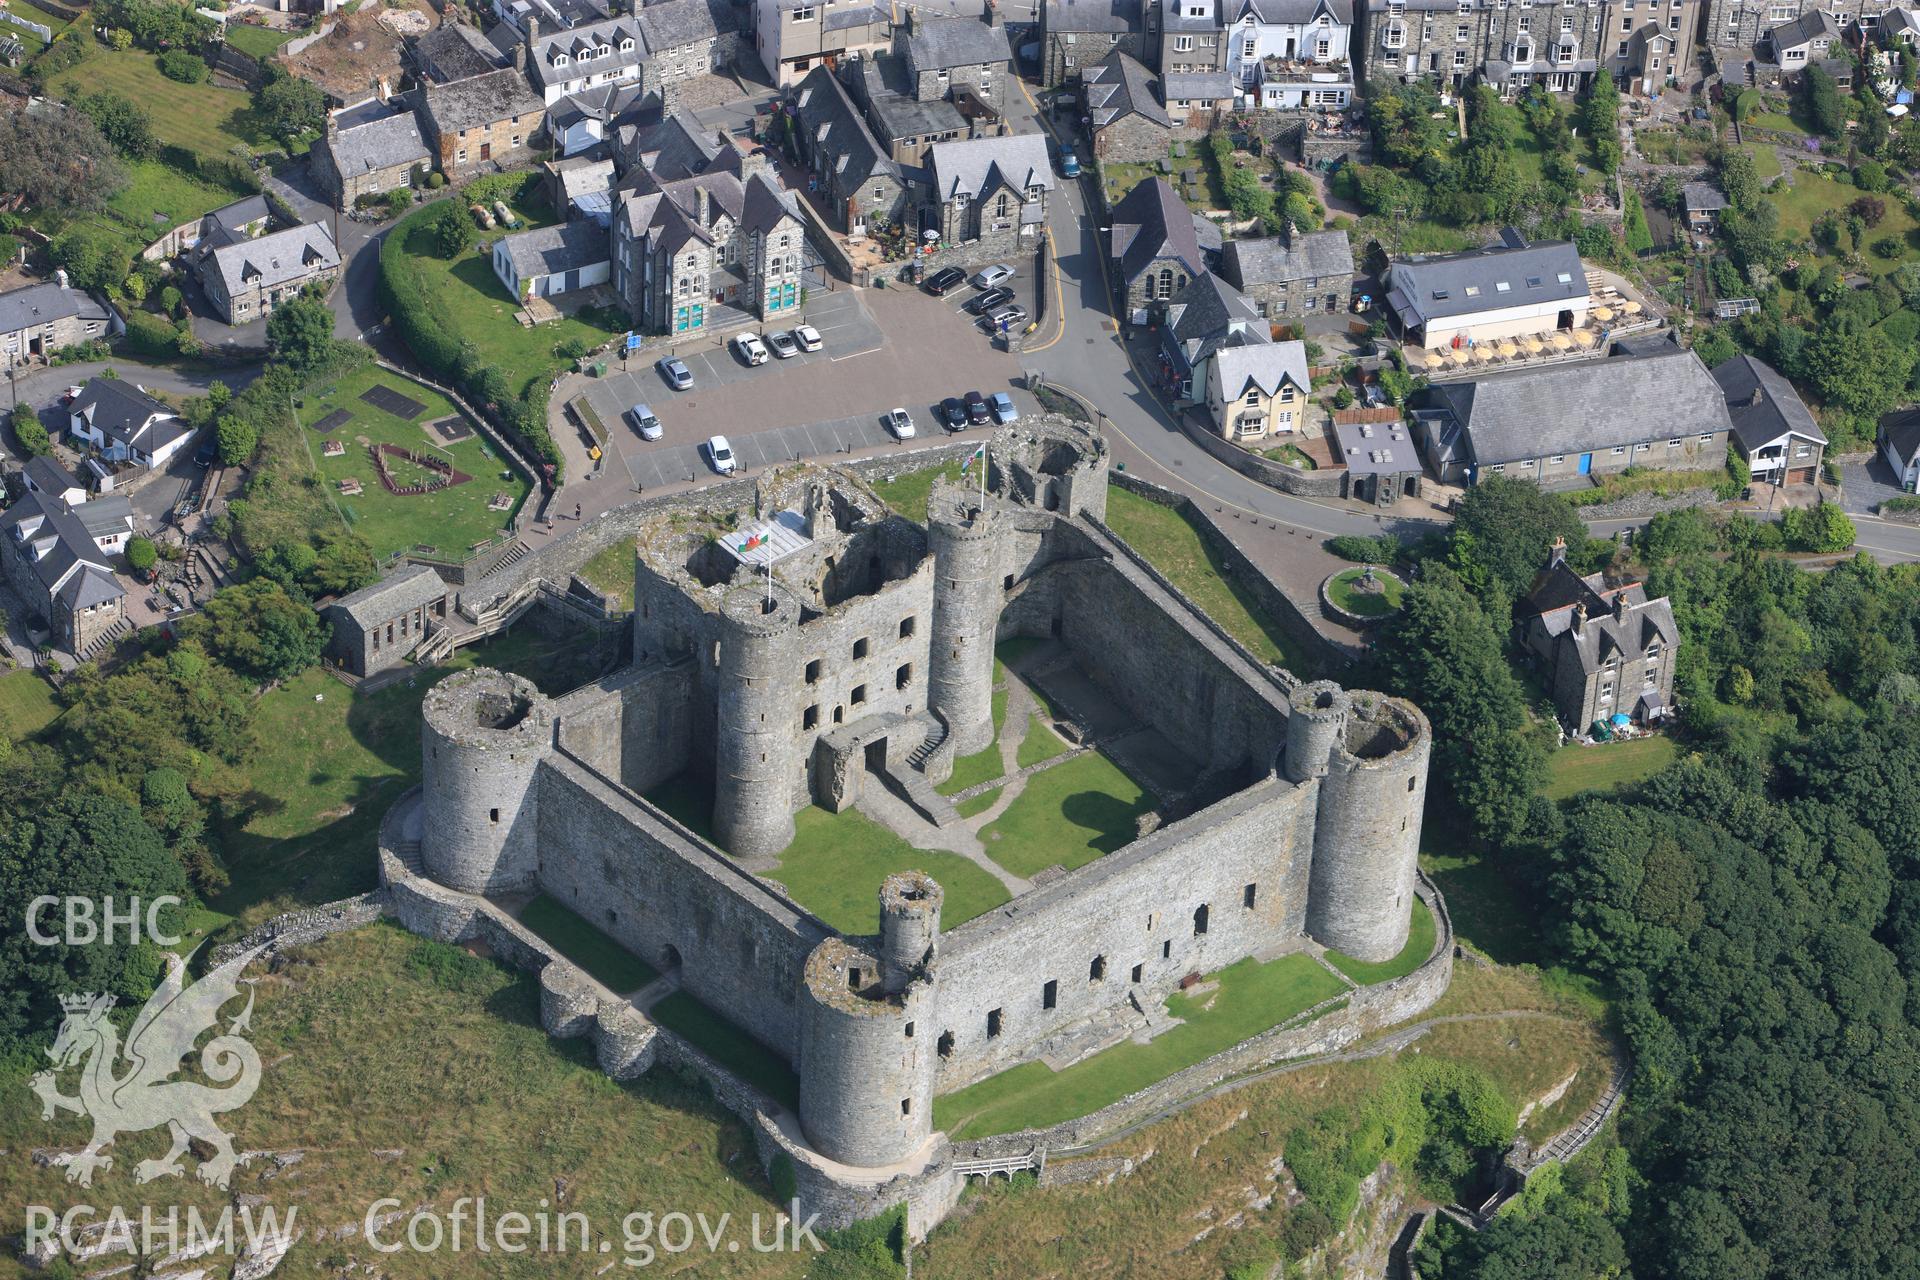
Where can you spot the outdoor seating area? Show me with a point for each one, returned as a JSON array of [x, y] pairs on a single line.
[[1611, 314]]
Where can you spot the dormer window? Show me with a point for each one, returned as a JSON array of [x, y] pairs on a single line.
[[561, 59], [604, 51], [626, 46]]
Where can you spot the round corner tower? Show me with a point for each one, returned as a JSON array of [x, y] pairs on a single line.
[[1366, 839], [483, 736], [866, 1051], [1315, 724], [756, 758], [967, 598], [909, 928]]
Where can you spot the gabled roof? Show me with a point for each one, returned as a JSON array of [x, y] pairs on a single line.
[[1207, 315], [1703, 197], [602, 102], [1152, 221], [675, 24], [275, 259], [1599, 621], [1458, 286], [1119, 86], [1196, 86], [48, 476], [1900, 430], [43, 303], [116, 408], [1267, 365], [380, 143], [1895, 21], [938, 44], [1762, 404], [1809, 26], [894, 112], [1292, 12], [670, 149], [1282, 259], [766, 203], [1584, 406], [1091, 15], [480, 101], [456, 51], [567, 246], [976, 166], [832, 126], [106, 516], [237, 216], [61, 544], [580, 46], [413, 586]]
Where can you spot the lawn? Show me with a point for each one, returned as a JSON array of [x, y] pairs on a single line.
[[1766, 161], [476, 308], [1121, 177], [728, 1045], [159, 197], [1412, 956], [1811, 196], [1250, 998], [204, 118], [1346, 594], [1041, 743], [1574, 769], [26, 704], [447, 522], [612, 572], [984, 764], [400, 1067], [908, 492], [331, 761], [615, 967], [1069, 814], [1173, 546], [837, 861], [259, 43]]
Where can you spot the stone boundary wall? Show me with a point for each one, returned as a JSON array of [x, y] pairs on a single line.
[[1367, 1010], [308, 924], [1358, 621], [1330, 482], [820, 236], [1289, 613]]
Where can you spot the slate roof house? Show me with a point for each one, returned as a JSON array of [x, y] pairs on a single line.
[[1294, 273], [246, 280], [1382, 462], [453, 51], [1563, 424], [1703, 203], [1290, 54], [990, 194], [371, 151], [1121, 100], [1807, 38], [125, 424], [793, 37], [552, 260], [377, 626], [562, 63], [1202, 318], [671, 148], [1157, 244], [37, 320], [57, 552], [1898, 440], [482, 124], [1509, 290], [584, 120], [1258, 391], [1076, 34], [860, 183], [906, 126], [1772, 427], [1605, 649], [944, 54]]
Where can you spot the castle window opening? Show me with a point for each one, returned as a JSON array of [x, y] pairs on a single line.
[[944, 1046], [904, 676], [993, 1024], [813, 671], [1411, 783], [836, 715], [859, 694], [1050, 994], [909, 1031], [1199, 919], [853, 977], [1139, 971], [860, 647], [906, 626], [1166, 949], [1247, 896], [493, 815], [1006, 583], [613, 917], [716, 653], [1097, 970], [810, 718], [906, 1106]]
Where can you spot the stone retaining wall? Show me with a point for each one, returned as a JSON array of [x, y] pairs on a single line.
[[309, 924], [1330, 482]]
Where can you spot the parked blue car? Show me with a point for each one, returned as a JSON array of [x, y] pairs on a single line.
[[1069, 163]]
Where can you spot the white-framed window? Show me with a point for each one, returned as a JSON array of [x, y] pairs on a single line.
[[1460, 34], [561, 59], [626, 45], [1566, 22], [1706, 437], [1559, 458], [1674, 443], [1182, 44], [805, 14], [1618, 450], [1498, 468], [1606, 691]]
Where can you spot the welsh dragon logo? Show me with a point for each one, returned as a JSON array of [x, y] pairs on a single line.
[[145, 1096]]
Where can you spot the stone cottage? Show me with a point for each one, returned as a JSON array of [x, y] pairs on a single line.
[[1295, 273], [378, 626], [990, 195], [39, 319], [482, 124], [1157, 244], [859, 183], [370, 149], [1121, 100], [247, 280], [1603, 648]]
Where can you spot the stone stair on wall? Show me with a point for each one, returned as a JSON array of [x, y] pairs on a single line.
[[121, 628], [935, 736], [917, 790], [408, 851], [511, 554]]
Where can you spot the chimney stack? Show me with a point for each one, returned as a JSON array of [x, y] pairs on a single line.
[[700, 203], [533, 35], [520, 57], [1579, 617], [60, 275], [1557, 555], [1754, 398], [1620, 605]]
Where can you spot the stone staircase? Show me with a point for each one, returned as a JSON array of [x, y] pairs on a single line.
[[112, 636], [511, 554], [408, 851], [935, 736], [918, 791]]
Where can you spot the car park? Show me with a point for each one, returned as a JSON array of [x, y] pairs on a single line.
[[783, 344], [646, 422], [953, 413], [900, 424], [674, 370], [1006, 317], [982, 303], [749, 348], [1002, 405], [720, 454], [945, 281], [808, 337], [977, 412], [987, 277], [1069, 163]]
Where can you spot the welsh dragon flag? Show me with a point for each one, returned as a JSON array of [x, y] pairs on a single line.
[[752, 542]]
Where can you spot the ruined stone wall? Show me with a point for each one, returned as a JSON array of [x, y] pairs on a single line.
[[635, 726], [737, 944], [1134, 907]]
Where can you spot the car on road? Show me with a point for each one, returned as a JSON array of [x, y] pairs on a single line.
[[1002, 405], [977, 412], [646, 422], [749, 348], [987, 277], [900, 423], [208, 453], [981, 303], [1005, 318], [783, 344], [808, 337], [953, 413], [1069, 163], [945, 281], [720, 454], [676, 373]]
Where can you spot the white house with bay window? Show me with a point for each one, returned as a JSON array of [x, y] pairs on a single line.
[[1288, 54]]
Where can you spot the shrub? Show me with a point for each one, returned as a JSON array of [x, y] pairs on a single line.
[[183, 65], [151, 335], [436, 180], [1383, 548], [1888, 247], [1824, 528], [142, 555], [29, 434], [1343, 398]]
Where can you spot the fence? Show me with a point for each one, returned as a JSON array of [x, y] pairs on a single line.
[[45, 33]]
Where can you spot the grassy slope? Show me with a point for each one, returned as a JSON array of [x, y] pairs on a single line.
[[612, 572], [1812, 196], [1174, 548], [260, 43], [1572, 770], [1069, 814], [907, 493], [1251, 997], [26, 704], [1411, 957], [728, 1045], [450, 520], [204, 118]]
